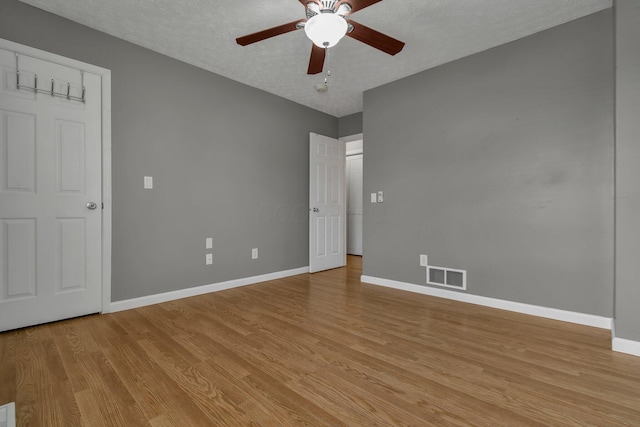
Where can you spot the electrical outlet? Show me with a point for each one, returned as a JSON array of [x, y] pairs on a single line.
[[209, 259], [208, 243], [254, 253], [380, 196], [424, 261]]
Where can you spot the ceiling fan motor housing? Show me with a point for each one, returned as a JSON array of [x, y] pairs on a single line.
[[327, 6], [323, 4]]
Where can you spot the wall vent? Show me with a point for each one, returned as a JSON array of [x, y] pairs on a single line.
[[447, 277]]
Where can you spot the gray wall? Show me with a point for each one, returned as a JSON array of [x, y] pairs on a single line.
[[228, 161], [350, 125], [500, 163], [628, 169]]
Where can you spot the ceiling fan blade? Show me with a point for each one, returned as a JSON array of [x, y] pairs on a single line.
[[316, 62], [356, 5], [375, 39], [268, 33]]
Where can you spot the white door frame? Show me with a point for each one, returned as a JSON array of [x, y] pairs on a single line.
[[105, 76], [355, 154], [351, 138], [345, 139]]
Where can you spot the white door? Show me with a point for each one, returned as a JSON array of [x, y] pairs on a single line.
[[354, 204], [327, 203], [50, 169]]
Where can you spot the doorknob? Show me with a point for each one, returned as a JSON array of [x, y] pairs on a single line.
[[316, 210], [92, 205]]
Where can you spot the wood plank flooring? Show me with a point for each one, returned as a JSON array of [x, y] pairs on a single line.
[[317, 350]]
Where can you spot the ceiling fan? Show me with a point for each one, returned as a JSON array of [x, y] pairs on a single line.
[[327, 22]]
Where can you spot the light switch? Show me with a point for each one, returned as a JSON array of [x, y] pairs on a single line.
[[424, 261], [208, 243], [254, 253], [380, 196], [374, 198], [148, 182]]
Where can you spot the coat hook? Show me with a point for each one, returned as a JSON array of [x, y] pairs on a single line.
[[51, 92]]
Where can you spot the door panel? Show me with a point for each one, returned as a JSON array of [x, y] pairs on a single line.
[[19, 146], [327, 203], [71, 254], [18, 252], [50, 168], [70, 144]]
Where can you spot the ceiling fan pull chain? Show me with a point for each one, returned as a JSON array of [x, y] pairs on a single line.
[[326, 79]]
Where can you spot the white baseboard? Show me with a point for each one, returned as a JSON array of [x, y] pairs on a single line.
[[199, 290], [626, 346], [550, 313]]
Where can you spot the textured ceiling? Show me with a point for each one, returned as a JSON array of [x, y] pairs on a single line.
[[203, 32]]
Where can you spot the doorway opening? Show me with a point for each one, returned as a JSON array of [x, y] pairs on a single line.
[[354, 184]]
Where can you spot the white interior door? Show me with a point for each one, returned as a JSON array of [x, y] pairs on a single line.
[[327, 203], [50, 170], [354, 204]]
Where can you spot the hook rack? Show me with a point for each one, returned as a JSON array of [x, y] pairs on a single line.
[[51, 92]]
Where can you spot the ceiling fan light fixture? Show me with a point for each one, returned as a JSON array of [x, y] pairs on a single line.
[[326, 29]]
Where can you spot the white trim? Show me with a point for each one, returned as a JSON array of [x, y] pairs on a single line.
[[550, 313], [8, 414], [52, 57], [351, 138], [626, 346], [106, 192], [105, 76], [205, 289]]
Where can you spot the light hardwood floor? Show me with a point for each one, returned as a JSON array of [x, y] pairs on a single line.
[[319, 350]]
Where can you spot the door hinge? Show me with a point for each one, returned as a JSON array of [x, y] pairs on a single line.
[[102, 205]]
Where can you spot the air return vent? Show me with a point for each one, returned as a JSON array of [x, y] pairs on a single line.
[[447, 277]]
